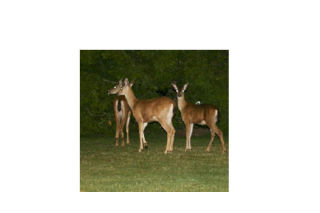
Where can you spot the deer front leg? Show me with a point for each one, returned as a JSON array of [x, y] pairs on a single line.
[[189, 128], [187, 136]]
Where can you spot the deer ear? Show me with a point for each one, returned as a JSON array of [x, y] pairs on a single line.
[[132, 82], [175, 87], [126, 81], [185, 87]]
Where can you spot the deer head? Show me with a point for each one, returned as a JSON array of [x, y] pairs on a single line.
[[180, 94], [119, 87]]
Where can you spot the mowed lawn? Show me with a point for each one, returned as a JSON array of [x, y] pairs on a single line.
[[106, 168]]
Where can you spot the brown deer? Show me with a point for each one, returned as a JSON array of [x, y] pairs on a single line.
[[202, 114], [149, 110], [122, 114]]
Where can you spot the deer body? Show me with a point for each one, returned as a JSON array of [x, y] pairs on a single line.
[[202, 114], [145, 111], [151, 109], [198, 114], [122, 116]]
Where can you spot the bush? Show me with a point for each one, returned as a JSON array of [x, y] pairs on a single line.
[[153, 72]]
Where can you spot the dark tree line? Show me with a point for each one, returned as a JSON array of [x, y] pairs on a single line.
[[153, 72]]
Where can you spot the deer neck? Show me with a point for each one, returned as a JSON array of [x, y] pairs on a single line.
[[131, 98], [181, 103]]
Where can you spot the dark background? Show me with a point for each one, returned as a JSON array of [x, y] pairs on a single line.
[[153, 72]]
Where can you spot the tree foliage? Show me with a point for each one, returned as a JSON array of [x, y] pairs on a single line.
[[153, 72]]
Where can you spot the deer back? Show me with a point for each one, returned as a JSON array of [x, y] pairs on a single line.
[[152, 109], [193, 113]]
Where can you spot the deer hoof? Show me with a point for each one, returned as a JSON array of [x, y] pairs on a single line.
[[116, 144], [140, 150]]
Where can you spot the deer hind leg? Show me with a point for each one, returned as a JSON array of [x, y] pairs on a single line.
[[145, 145], [173, 131], [170, 138], [211, 140], [141, 135], [123, 122], [122, 136], [220, 134], [127, 127], [117, 132], [189, 139], [169, 131]]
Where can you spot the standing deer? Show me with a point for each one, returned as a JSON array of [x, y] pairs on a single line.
[[122, 114], [203, 114], [145, 111]]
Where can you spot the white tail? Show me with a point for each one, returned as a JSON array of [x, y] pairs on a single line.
[[145, 111], [203, 114]]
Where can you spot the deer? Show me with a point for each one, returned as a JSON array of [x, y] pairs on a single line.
[[202, 114], [122, 114], [148, 110]]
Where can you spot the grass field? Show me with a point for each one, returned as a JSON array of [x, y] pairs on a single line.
[[106, 168]]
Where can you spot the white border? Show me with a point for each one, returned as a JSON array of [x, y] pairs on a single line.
[[274, 100]]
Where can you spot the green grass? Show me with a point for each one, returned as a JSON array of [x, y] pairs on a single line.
[[106, 168]]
